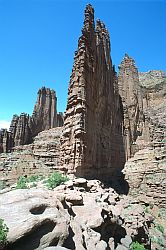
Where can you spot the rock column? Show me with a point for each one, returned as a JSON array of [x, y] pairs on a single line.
[[92, 143]]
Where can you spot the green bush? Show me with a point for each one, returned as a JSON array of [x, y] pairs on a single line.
[[3, 232], [55, 180], [22, 183], [137, 246]]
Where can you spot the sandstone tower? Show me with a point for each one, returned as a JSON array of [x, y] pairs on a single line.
[[92, 140], [132, 100], [45, 111]]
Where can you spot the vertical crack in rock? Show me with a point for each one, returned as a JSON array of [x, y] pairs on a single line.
[[92, 141]]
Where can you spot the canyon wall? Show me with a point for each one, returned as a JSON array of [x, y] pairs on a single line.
[[92, 140], [145, 172]]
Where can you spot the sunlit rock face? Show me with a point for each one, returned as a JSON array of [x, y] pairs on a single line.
[[131, 94], [92, 143]]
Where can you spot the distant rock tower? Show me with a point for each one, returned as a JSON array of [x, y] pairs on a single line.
[[24, 127], [45, 111], [92, 142]]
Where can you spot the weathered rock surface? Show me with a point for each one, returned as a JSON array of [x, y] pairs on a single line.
[[20, 129], [39, 218], [24, 128], [92, 142], [40, 157], [130, 91], [146, 171], [5, 141], [35, 219], [153, 85]]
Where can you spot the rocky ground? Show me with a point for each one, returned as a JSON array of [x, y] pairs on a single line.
[[80, 214]]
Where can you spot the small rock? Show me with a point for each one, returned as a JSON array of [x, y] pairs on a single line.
[[126, 241], [74, 198]]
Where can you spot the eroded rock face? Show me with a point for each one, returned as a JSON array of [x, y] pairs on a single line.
[[5, 141], [153, 85], [131, 94], [20, 130], [40, 157], [92, 143], [146, 171]]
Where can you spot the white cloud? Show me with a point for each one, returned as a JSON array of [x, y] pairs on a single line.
[[4, 124]]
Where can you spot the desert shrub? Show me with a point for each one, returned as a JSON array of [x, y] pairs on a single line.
[[137, 246], [55, 180], [22, 183], [3, 232]]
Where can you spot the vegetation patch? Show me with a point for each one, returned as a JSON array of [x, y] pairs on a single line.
[[137, 246], [55, 180], [23, 182], [3, 233]]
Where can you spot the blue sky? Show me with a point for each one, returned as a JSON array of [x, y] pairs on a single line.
[[38, 39]]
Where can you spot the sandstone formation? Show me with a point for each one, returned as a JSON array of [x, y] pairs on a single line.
[[39, 218], [5, 140], [153, 85], [92, 142], [20, 130], [146, 171], [40, 157], [108, 120], [24, 128], [131, 94], [44, 115]]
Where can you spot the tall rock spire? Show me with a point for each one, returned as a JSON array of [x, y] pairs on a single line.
[[92, 143], [130, 91], [45, 111]]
